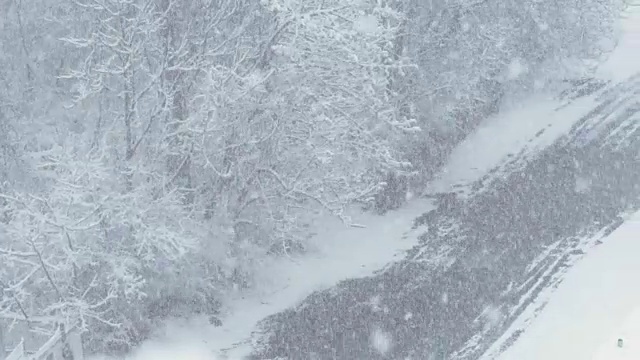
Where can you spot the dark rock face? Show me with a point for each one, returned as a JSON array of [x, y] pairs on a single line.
[[483, 259]]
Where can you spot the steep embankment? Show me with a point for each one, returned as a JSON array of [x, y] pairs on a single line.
[[486, 255]]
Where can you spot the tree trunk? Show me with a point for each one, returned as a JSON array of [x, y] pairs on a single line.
[[179, 161], [3, 345]]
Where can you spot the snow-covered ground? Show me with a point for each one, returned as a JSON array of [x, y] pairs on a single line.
[[586, 314], [517, 125], [339, 252], [598, 301], [528, 125]]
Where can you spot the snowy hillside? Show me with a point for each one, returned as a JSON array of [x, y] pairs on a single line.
[[337, 253], [595, 304], [542, 197], [486, 255], [523, 206], [306, 179], [516, 207]]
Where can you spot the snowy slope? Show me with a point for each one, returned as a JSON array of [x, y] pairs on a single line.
[[627, 331], [598, 300], [534, 124], [347, 253], [483, 258], [623, 63], [585, 316], [337, 253], [340, 253], [524, 127], [455, 261]]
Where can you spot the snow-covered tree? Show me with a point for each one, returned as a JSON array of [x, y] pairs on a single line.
[[106, 224], [469, 53], [307, 122]]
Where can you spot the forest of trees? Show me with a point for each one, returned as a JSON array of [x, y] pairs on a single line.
[[154, 152]]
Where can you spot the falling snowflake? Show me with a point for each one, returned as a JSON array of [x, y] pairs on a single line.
[[516, 69], [582, 184], [367, 24], [381, 341]]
